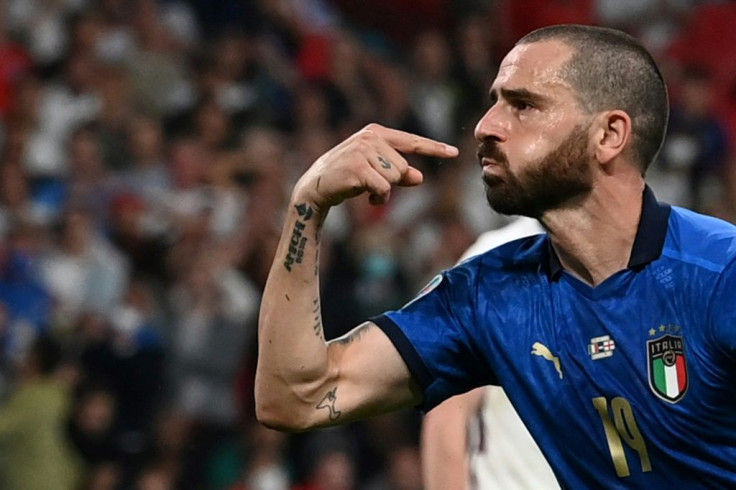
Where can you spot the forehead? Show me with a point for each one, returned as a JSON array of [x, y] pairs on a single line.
[[535, 67]]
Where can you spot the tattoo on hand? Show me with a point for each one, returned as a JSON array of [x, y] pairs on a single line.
[[298, 241], [328, 402], [384, 163]]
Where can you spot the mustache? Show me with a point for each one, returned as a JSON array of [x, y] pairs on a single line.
[[490, 150]]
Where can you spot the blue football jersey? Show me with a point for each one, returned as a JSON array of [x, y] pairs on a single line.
[[629, 384]]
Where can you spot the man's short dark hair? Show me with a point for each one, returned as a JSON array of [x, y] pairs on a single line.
[[611, 70]]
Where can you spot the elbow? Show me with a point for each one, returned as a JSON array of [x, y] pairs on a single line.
[[279, 414], [277, 420]]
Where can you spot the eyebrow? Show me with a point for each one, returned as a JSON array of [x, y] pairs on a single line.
[[518, 94]]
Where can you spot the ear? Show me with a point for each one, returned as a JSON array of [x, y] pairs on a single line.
[[612, 135]]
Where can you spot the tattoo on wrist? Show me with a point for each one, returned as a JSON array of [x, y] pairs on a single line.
[[295, 254], [328, 402], [384, 163]]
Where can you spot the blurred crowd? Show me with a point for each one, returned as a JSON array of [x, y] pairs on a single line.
[[147, 151]]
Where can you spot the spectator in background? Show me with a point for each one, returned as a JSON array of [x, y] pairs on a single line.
[[404, 470], [211, 303], [116, 109], [692, 169], [147, 174], [213, 309], [435, 97], [156, 64], [69, 102], [331, 465], [83, 271], [91, 430], [87, 182], [27, 303], [15, 64], [145, 248], [36, 456], [265, 467], [476, 45]]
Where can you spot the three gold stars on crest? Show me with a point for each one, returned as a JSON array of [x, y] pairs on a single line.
[[663, 329]]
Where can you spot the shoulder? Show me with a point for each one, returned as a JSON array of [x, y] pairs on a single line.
[[700, 240], [525, 252]]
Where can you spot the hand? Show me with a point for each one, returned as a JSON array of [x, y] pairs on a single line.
[[368, 161]]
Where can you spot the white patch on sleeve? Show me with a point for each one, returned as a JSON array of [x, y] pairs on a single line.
[[431, 285]]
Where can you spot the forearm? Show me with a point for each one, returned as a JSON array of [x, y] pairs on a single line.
[[302, 382], [445, 443], [292, 361]]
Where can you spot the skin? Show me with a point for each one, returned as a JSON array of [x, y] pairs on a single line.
[[304, 382], [445, 441], [528, 128]]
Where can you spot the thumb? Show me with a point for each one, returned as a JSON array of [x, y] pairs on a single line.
[[411, 178]]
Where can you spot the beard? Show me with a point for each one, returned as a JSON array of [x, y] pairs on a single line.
[[553, 182]]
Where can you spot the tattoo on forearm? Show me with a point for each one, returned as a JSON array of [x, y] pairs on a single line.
[[353, 335], [316, 254], [317, 326], [298, 241], [384, 163], [328, 402]]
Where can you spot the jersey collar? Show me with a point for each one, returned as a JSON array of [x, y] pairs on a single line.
[[649, 240]]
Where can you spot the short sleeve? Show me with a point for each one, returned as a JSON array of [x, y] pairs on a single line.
[[434, 335]]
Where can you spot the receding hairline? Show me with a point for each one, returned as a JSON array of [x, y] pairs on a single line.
[[609, 69]]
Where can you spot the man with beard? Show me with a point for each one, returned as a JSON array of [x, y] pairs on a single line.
[[613, 334]]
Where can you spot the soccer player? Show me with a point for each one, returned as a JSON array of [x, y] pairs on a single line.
[[613, 334], [476, 439]]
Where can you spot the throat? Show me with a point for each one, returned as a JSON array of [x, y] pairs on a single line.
[[594, 268]]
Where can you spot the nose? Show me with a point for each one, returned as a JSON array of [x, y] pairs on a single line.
[[491, 126]]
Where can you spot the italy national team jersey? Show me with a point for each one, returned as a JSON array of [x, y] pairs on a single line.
[[629, 384]]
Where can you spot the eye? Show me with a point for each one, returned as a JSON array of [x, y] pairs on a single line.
[[522, 105]]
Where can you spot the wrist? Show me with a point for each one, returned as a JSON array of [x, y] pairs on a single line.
[[302, 200]]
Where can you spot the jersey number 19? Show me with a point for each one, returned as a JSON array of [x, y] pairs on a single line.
[[623, 427]]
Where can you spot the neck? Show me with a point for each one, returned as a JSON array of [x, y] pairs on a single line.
[[594, 240]]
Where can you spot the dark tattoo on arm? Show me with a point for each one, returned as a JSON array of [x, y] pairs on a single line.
[[298, 241], [384, 163], [316, 253], [354, 334], [328, 402], [318, 330]]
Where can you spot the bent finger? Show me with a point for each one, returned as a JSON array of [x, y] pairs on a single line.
[[388, 159], [377, 185]]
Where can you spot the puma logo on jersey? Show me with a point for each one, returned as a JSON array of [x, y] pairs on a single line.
[[539, 349]]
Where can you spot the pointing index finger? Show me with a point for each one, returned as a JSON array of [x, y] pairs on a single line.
[[412, 143]]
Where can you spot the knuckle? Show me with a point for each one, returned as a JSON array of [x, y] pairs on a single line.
[[416, 142], [384, 186], [364, 145], [372, 128]]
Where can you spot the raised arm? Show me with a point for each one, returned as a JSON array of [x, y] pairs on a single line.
[[301, 381]]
